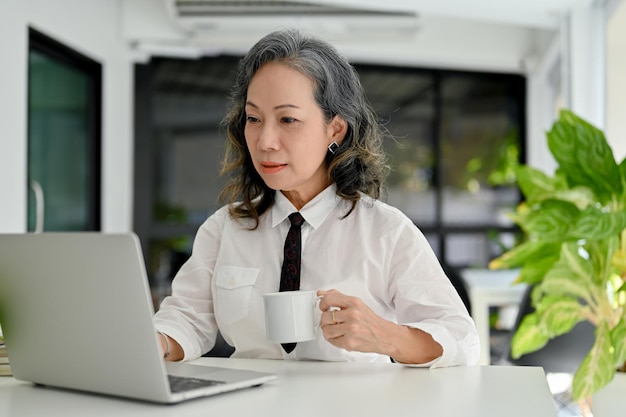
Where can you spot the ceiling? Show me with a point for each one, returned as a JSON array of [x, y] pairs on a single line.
[[482, 35], [532, 13], [237, 18], [503, 35]]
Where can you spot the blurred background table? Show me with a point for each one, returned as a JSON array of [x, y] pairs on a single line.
[[490, 288]]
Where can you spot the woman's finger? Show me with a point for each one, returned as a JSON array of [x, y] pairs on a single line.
[[332, 299]]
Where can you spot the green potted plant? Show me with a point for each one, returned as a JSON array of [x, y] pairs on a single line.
[[573, 250]]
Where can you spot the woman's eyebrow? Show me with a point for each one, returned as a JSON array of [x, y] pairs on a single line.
[[280, 106]]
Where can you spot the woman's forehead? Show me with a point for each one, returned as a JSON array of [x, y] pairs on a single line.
[[278, 84]]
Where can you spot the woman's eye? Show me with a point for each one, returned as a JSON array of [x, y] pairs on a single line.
[[251, 119], [287, 120]]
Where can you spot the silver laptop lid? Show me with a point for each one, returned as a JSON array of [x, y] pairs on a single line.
[[76, 313]]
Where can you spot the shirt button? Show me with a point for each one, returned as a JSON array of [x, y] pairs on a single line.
[[231, 281]]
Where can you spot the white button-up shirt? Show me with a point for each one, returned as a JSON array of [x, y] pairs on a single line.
[[376, 254]]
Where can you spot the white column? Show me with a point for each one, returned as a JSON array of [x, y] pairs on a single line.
[[545, 92], [13, 145], [587, 63], [616, 79]]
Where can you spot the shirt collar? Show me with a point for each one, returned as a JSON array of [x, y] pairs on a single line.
[[314, 212]]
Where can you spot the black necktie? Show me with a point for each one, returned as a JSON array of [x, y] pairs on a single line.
[[290, 273]]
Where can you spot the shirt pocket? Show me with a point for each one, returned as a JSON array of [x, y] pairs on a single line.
[[233, 285]]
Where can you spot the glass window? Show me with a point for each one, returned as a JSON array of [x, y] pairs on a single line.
[[457, 139], [63, 137], [405, 102], [481, 123]]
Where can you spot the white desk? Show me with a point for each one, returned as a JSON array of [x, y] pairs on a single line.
[[313, 389], [489, 288]]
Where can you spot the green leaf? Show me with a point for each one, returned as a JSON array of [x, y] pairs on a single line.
[[570, 276], [581, 197], [601, 254], [585, 156], [528, 337], [536, 185], [579, 265], [534, 270], [598, 367], [551, 221], [619, 260], [598, 224], [618, 339], [622, 170], [558, 314], [522, 253]]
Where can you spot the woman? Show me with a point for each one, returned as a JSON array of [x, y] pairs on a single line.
[[302, 138]]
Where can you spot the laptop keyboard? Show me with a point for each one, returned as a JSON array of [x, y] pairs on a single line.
[[182, 384]]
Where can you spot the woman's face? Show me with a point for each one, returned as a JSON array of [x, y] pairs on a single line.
[[286, 133]]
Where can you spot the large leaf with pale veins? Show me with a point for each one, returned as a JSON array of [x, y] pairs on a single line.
[[585, 156], [598, 367], [528, 337], [551, 221], [559, 314], [570, 276], [597, 224], [618, 337]]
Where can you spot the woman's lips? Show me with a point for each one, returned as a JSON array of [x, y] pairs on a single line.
[[272, 167]]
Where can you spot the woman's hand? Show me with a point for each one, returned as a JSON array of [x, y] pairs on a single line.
[[170, 349], [348, 323]]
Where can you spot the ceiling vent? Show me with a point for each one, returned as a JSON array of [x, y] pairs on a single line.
[[221, 17], [259, 8]]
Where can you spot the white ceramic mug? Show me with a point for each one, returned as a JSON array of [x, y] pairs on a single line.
[[290, 316]]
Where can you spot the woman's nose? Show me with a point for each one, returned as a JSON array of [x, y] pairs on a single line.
[[268, 138]]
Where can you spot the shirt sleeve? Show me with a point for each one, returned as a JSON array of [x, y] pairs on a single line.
[[424, 298], [187, 314]]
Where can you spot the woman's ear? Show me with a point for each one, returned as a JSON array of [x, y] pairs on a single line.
[[337, 129]]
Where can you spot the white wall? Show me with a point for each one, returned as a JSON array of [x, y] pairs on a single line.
[[92, 28], [443, 42], [616, 82]]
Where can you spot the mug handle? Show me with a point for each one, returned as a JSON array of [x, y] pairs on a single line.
[[316, 300]]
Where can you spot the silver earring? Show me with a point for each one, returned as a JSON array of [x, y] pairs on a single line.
[[333, 147]]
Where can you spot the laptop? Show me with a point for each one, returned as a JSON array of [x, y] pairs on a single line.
[[76, 313]]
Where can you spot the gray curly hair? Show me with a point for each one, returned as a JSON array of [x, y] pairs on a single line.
[[358, 166]]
